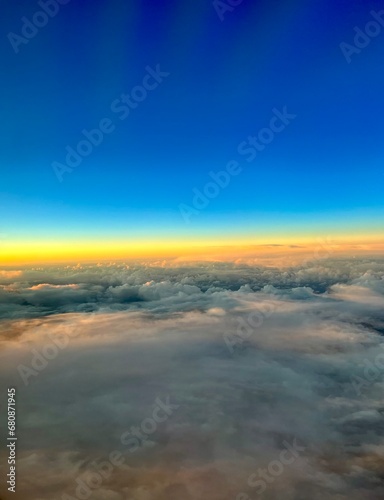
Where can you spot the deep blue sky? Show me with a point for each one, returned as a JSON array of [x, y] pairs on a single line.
[[225, 79]]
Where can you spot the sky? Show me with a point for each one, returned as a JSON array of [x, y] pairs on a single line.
[[225, 76]]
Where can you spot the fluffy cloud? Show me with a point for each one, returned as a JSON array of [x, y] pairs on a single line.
[[44, 291], [253, 357]]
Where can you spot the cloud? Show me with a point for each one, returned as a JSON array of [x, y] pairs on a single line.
[[50, 290], [308, 371]]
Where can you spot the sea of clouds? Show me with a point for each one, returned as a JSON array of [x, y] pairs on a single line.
[[254, 360]]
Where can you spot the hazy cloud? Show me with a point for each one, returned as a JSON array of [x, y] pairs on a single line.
[[137, 333]]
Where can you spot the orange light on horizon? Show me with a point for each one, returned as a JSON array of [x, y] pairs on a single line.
[[39, 252]]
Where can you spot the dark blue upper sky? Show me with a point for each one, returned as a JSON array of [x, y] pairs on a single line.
[[225, 79]]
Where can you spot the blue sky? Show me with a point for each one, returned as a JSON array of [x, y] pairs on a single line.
[[225, 79]]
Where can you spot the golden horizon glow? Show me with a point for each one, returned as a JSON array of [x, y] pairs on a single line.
[[48, 251]]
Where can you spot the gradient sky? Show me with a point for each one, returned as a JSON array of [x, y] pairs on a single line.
[[324, 173]]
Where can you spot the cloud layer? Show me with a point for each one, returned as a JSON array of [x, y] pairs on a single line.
[[254, 357]]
